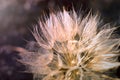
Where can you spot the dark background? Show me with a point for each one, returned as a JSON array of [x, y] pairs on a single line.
[[17, 18]]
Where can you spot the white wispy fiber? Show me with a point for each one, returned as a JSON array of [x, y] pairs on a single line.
[[71, 48]]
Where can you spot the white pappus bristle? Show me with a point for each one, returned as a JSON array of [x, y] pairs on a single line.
[[71, 48]]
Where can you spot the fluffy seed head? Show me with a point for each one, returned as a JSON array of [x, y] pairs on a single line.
[[71, 48]]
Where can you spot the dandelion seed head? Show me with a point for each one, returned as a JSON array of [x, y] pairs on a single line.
[[72, 48]]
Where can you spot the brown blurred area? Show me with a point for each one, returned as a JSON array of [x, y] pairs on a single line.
[[17, 18]]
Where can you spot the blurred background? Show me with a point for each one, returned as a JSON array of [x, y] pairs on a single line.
[[17, 18]]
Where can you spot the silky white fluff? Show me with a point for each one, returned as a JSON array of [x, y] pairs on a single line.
[[71, 48]]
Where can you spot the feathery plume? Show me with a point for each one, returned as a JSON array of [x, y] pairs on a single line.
[[71, 48]]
